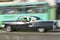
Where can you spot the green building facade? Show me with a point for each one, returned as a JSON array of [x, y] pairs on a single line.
[[53, 13]]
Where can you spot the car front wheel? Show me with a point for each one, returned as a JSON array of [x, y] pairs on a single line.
[[41, 29]]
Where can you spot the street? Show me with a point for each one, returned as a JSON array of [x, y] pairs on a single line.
[[29, 35]]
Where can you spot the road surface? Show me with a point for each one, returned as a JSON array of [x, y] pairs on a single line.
[[29, 36]]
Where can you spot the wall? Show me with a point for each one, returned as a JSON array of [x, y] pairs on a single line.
[[51, 2], [5, 0], [53, 13]]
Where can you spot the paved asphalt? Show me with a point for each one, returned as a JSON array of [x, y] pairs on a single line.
[[29, 35]]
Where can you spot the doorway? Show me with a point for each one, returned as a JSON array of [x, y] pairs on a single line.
[[58, 11]]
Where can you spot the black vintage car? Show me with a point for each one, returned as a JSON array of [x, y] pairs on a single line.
[[18, 24]]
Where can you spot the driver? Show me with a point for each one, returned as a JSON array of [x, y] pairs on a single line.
[[25, 20]]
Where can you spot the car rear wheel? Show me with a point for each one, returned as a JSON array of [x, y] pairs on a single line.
[[9, 29]]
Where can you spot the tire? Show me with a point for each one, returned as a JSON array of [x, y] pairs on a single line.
[[41, 30], [9, 29]]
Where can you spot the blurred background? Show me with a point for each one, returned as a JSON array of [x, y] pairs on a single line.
[[51, 2]]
